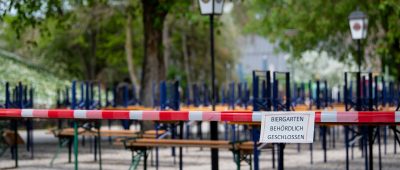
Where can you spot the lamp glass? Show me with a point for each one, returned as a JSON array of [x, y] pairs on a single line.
[[208, 7], [218, 6], [358, 23], [356, 28]]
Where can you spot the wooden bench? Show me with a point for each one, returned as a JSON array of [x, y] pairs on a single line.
[[332, 107], [178, 143], [119, 134], [149, 134], [66, 136], [128, 108], [7, 139], [241, 150], [209, 108], [94, 132]]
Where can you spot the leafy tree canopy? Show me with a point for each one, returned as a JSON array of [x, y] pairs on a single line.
[[302, 25]]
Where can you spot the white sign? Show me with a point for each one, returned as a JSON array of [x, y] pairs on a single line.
[[287, 127]]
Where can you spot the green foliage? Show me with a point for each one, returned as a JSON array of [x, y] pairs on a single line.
[[187, 20], [68, 49], [62, 35], [31, 13], [45, 84], [302, 25]]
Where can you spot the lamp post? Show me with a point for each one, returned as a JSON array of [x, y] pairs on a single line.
[[358, 22], [211, 8]]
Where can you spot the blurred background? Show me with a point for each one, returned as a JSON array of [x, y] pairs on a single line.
[[48, 43]]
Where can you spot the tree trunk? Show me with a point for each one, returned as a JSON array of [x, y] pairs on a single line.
[[85, 64], [166, 43], [128, 50], [187, 64], [153, 68], [93, 43], [396, 55]]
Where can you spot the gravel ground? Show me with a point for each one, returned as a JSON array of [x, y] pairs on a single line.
[[116, 157]]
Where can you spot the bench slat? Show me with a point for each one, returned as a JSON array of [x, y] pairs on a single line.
[[220, 144], [103, 132]]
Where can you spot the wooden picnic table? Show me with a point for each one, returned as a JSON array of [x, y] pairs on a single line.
[[241, 150]]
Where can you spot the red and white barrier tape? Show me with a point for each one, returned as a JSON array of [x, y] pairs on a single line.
[[237, 116]]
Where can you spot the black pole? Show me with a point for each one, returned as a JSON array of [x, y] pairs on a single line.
[[359, 55], [378, 131], [20, 105], [346, 128], [145, 159], [364, 129], [213, 125], [99, 141], [180, 148], [358, 102], [371, 128], [370, 147], [281, 146], [346, 142], [15, 142]]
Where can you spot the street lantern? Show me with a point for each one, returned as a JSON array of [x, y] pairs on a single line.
[[211, 7], [358, 22], [358, 25]]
